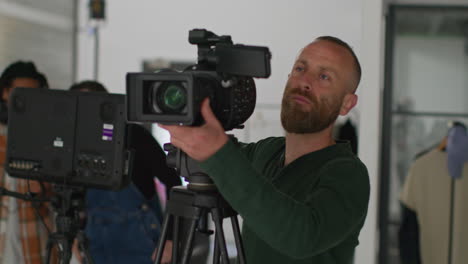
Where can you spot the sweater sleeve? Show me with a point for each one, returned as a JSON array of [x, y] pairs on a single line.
[[334, 209]]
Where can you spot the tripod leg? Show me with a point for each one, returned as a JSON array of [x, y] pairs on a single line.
[[162, 239], [216, 251], [83, 245], [188, 246], [219, 233], [50, 246], [237, 237], [175, 239], [67, 250]]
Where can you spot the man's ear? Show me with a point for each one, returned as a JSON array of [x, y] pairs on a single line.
[[349, 101]]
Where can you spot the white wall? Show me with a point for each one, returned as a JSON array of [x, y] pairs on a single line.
[[144, 29], [418, 57], [370, 118], [155, 29], [429, 2], [38, 31], [137, 30]]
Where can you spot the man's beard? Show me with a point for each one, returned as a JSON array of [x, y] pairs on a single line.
[[322, 113]]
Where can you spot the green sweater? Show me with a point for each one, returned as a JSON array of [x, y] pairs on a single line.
[[310, 211]]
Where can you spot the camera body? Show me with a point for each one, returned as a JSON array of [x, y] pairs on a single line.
[[224, 73]]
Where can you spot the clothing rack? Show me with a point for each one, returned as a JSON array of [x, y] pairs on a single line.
[[430, 114], [452, 202]]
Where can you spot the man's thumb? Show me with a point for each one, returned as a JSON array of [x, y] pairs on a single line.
[[207, 113]]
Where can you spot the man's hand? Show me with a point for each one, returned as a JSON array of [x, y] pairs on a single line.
[[201, 142]]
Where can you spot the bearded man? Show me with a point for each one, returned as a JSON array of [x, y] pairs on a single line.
[[303, 197]]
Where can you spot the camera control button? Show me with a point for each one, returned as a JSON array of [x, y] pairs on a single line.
[[103, 164]]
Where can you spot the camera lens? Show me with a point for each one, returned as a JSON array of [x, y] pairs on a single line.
[[171, 97], [174, 97]]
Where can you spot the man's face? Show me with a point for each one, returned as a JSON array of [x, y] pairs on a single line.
[[318, 88], [19, 82]]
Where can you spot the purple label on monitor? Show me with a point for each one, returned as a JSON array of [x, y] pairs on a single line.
[[107, 132]]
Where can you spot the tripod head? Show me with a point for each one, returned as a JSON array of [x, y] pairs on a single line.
[[194, 203], [189, 169], [68, 202]]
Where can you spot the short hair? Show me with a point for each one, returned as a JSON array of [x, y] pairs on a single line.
[[21, 69], [351, 51], [92, 86]]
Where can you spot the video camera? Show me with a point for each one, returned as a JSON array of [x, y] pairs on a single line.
[[223, 73], [68, 138]]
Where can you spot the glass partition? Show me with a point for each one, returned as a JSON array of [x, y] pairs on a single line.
[[426, 87]]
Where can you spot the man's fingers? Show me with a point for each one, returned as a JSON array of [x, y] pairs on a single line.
[[173, 129], [177, 143], [199, 142], [207, 113]]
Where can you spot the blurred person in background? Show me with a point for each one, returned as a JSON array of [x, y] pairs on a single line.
[[24, 225], [124, 226]]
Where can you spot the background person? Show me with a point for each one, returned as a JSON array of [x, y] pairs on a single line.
[[24, 226], [124, 226]]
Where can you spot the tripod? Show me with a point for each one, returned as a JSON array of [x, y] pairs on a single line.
[[192, 204], [67, 203]]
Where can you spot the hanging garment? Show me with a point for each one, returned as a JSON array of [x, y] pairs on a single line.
[[426, 192], [457, 151], [408, 237]]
